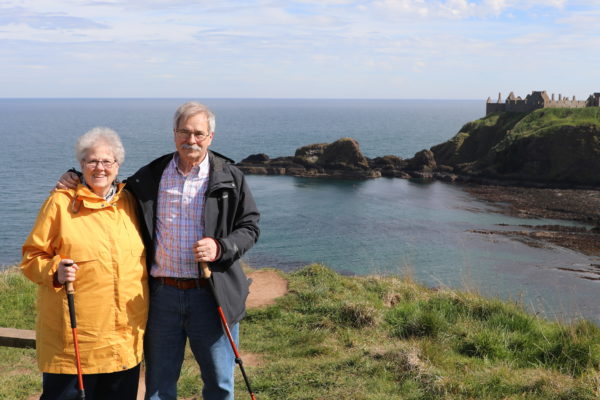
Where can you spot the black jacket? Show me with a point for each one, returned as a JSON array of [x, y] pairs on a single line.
[[230, 216]]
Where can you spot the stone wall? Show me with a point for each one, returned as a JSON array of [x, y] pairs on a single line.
[[538, 99]]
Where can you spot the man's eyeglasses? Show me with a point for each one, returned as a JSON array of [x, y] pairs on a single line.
[[185, 134], [91, 164]]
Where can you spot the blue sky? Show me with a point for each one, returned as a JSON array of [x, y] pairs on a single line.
[[447, 49]]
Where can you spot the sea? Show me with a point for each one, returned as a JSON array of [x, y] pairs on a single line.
[[423, 230]]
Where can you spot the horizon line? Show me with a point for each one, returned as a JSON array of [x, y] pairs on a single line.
[[240, 98]]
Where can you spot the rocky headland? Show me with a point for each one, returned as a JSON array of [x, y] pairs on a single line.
[[341, 159], [542, 164], [544, 148]]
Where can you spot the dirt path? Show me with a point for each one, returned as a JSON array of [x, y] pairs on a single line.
[[267, 285]]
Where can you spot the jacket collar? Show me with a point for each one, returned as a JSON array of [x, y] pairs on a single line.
[[220, 175], [84, 196]]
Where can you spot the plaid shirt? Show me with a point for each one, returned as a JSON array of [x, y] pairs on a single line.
[[179, 222]]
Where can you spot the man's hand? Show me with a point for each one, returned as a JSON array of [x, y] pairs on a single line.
[[206, 250], [67, 269], [68, 180]]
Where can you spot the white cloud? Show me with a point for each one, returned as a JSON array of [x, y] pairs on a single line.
[[292, 42], [404, 8], [454, 9], [164, 76], [327, 2], [326, 58], [532, 39], [418, 66], [588, 20]]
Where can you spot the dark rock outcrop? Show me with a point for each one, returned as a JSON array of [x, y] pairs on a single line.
[[340, 159], [343, 154], [390, 166], [312, 152], [547, 147], [423, 161], [256, 159]]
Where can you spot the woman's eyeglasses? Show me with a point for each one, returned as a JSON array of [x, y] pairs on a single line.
[[92, 164]]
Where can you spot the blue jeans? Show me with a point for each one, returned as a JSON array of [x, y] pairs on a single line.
[[176, 315]]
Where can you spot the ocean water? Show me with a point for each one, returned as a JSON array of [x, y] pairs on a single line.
[[382, 226]]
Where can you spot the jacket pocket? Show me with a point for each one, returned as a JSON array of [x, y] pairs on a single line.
[[80, 254], [95, 267]]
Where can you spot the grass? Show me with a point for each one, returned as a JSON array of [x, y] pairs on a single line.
[[19, 376], [338, 337], [559, 146], [550, 118], [500, 130], [476, 138]]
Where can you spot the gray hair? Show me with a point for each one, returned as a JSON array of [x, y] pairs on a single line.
[[191, 108], [100, 135]]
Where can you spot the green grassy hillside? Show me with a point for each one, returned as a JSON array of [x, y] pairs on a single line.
[[337, 337], [552, 145]]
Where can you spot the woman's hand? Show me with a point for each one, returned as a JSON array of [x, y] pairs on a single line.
[[67, 269]]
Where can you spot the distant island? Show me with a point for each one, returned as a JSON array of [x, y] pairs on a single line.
[[543, 147]]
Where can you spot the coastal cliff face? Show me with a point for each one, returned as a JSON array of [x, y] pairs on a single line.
[[546, 147]]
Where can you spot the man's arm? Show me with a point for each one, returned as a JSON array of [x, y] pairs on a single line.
[[245, 230], [244, 234], [69, 180]]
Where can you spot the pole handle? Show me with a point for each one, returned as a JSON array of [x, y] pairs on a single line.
[[205, 271], [69, 285], [70, 288]]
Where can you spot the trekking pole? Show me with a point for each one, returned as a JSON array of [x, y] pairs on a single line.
[[71, 301], [206, 273]]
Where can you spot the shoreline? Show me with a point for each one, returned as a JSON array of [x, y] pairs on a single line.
[[577, 205]]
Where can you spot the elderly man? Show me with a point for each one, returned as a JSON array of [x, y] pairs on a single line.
[[195, 207]]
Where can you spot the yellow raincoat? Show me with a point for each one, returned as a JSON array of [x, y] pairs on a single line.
[[111, 287]]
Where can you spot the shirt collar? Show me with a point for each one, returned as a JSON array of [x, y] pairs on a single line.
[[200, 170]]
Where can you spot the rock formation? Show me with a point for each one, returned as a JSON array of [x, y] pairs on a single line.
[[340, 159], [547, 147]]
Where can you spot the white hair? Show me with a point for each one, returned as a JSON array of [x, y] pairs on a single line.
[[191, 108], [100, 135]]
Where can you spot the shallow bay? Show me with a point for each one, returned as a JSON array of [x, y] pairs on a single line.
[[386, 226]]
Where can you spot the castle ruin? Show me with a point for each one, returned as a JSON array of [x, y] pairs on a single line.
[[538, 99]]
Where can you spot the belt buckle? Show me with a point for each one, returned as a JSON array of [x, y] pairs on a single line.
[[183, 283]]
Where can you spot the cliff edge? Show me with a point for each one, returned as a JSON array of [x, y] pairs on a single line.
[[550, 146]]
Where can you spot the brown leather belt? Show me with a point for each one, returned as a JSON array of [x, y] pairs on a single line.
[[182, 283]]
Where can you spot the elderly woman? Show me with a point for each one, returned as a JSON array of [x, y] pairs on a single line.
[[90, 236]]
